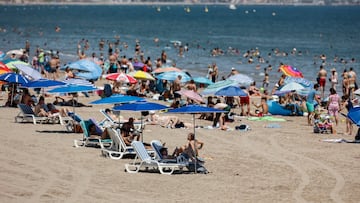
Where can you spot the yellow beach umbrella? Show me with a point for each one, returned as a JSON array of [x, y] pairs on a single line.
[[141, 75]]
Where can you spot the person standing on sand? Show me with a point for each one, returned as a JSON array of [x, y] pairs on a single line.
[[322, 80], [352, 82], [215, 72], [333, 78], [310, 99]]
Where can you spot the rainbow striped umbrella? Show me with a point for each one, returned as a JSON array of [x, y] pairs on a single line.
[[291, 71]]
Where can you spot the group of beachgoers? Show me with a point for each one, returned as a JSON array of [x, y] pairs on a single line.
[[49, 63]]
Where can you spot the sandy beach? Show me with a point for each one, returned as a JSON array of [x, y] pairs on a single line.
[[286, 164]]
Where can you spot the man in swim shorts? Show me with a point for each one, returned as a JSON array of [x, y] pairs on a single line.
[[322, 80], [310, 100]]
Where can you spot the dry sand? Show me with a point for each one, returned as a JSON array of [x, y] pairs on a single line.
[[287, 164]]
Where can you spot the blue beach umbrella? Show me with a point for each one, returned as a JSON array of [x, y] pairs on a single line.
[[211, 89], [230, 91], [140, 106], [43, 82], [72, 89], [195, 109], [241, 79], [117, 99], [13, 78], [203, 80], [354, 115], [172, 75], [87, 69]]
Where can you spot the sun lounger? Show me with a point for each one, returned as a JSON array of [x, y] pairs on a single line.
[[157, 145], [117, 148], [86, 140], [143, 159], [108, 121], [27, 114]]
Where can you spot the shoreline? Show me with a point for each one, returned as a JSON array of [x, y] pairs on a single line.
[[169, 4]]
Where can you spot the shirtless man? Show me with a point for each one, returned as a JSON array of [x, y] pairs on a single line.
[[177, 87], [263, 106], [352, 82], [322, 80], [53, 68], [215, 72]]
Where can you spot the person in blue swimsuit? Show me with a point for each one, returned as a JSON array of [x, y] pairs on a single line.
[[310, 100]]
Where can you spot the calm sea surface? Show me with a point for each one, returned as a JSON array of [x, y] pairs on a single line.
[[333, 31]]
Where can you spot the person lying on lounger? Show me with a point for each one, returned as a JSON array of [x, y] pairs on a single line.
[[167, 121]]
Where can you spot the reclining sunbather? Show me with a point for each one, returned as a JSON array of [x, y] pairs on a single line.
[[191, 148], [96, 134]]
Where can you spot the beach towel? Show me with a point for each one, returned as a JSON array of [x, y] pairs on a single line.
[[341, 140], [266, 118]]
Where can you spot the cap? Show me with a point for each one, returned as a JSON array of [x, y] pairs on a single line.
[[333, 69], [151, 112], [232, 68]]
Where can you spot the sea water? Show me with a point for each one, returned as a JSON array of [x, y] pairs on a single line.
[[275, 31]]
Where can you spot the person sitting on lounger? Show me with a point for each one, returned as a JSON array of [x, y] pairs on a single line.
[[40, 108], [191, 148], [97, 134], [129, 133]]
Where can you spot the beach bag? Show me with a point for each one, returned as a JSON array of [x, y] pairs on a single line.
[[242, 127], [107, 90]]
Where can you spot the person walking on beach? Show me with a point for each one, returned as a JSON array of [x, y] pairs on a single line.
[[322, 80], [310, 100]]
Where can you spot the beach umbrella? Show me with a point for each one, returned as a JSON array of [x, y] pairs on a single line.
[[292, 86], [203, 80], [4, 68], [241, 79], [166, 69], [2, 55], [13, 78], [121, 77], [302, 81], [230, 91], [43, 82], [27, 69], [195, 109], [87, 69], [354, 115], [10, 63], [77, 81], [17, 52], [172, 75], [211, 89], [118, 99], [190, 94], [141, 75], [71, 88], [138, 65], [140, 106], [290, 71]]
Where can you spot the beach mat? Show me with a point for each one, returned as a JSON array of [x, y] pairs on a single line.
[[266, 118], [341, 140]]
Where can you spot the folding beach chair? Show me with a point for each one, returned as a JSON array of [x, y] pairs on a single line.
[[27, 114], [143, 159], [86, 140]]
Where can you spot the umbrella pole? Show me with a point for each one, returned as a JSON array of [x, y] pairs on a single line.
[[12, 95], [195, 143]]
